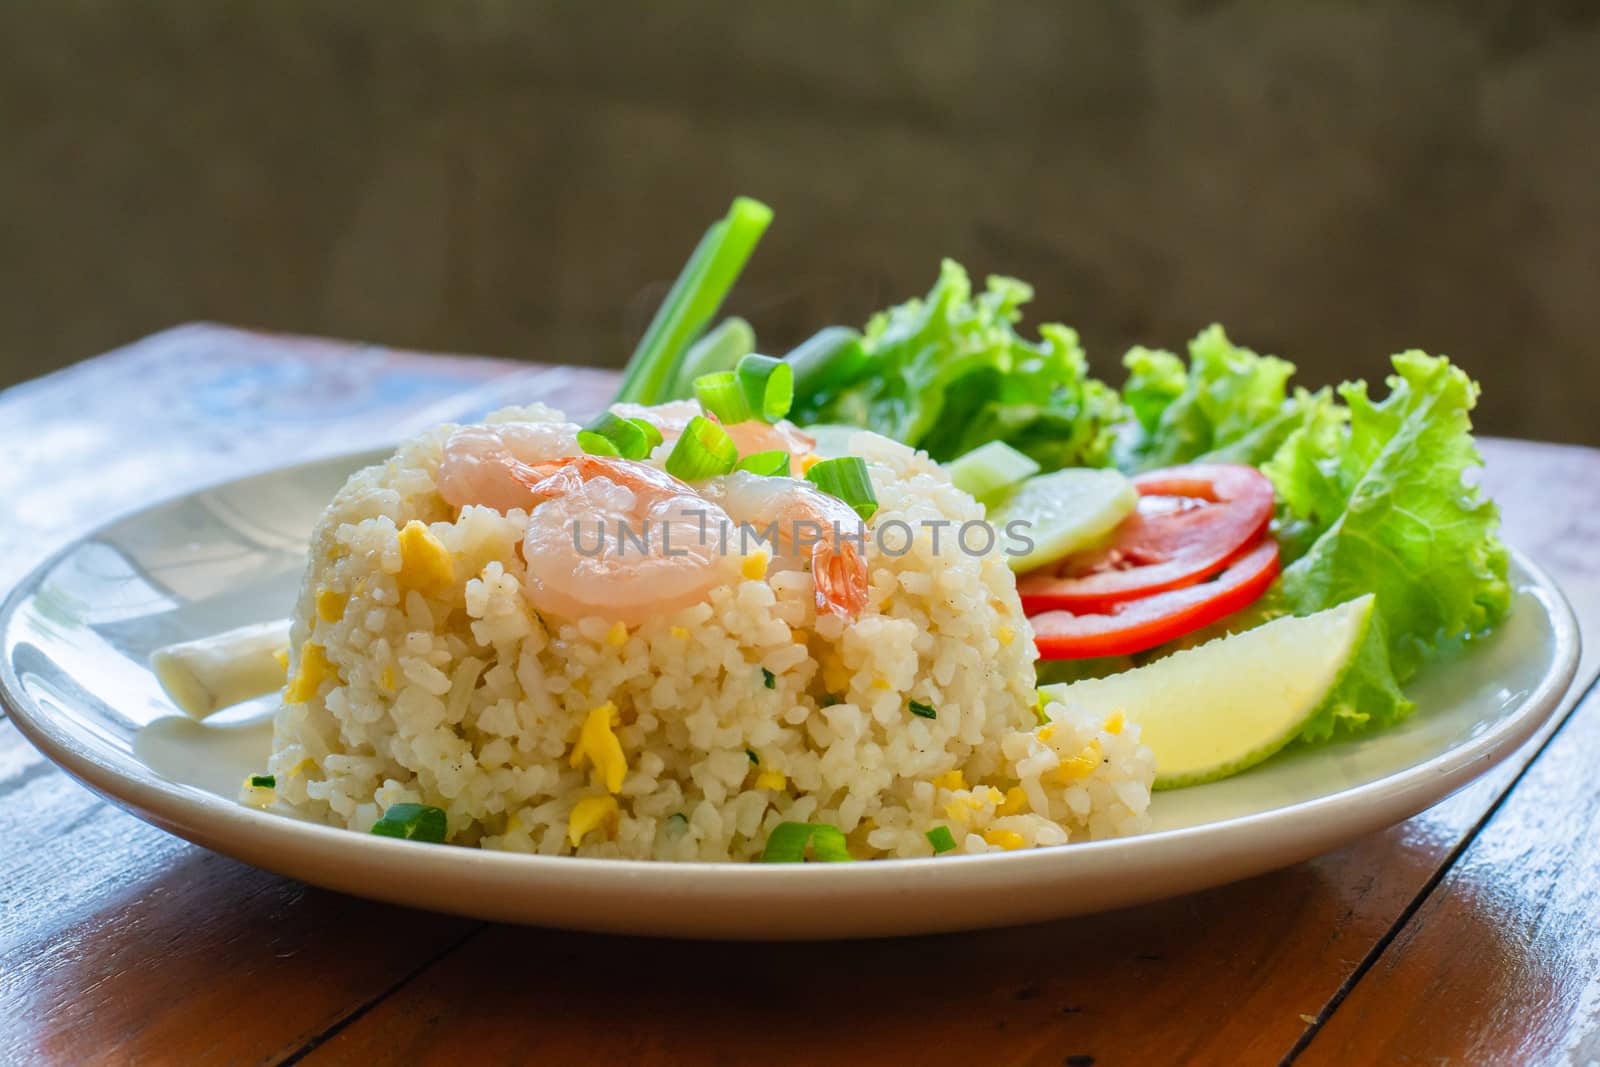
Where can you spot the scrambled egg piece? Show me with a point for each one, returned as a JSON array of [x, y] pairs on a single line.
[[617, 636], [330, 605], [589, 814], [1080, 766], [773, 780], [951, 780], [754, 566], [1016, 802], [424, 563], [1006, 839], [835, 675], [314, 670], [600, 747], [1115, 722]]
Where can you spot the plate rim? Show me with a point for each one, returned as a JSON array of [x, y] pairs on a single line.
[[234, 829]]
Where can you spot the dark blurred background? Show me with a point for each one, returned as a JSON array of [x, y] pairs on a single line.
[[1332, 181]]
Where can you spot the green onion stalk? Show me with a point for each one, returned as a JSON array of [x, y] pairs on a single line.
[[693, 302]]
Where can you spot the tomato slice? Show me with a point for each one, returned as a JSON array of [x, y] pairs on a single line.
[[1192, 522], [1137, 625]]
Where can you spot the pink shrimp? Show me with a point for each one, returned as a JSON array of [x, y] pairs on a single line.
[[805, 518], [480, 463], [616, 538]]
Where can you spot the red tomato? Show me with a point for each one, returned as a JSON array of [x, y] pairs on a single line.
[[1137, 625], [1191, 523]]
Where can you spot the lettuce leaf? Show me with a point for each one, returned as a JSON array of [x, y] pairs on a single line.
[[1373, 497], [949, 372], [1229, 405], [1382, 503]]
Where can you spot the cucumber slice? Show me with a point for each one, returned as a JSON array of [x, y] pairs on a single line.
[[990, 469], [1213, 711], [1065, 512]]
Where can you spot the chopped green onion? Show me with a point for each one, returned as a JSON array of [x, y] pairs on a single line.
[[990, 468], [652, 435], [772, 464], [753, 757], [413, 822], [768, 386], [677, 822], [787, 843], [846, 478], [596, 444], [941, 840], [612, 435], [923, 711], [828, 700], [263, 781], [723, 396], [770, 678], [693, 300], [831, 359], [828, 845], [1038, 709], [720, 349], [704, 451]]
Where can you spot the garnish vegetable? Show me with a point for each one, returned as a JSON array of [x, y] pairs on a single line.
[[949, 372], [413, 822], [1213, 711], [1366, 496], [788, 843]]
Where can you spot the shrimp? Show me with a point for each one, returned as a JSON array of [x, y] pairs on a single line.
[[756, 436], [804, 518], [618, 539], [670, 418], [480, 463], [751, 435]]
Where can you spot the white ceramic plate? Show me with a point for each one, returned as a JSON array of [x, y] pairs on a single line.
[[76, 634]]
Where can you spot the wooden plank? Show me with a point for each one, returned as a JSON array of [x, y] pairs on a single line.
[[1222, 976], [1501, 963], [124, 944]]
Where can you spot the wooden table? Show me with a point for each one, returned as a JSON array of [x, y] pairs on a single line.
[[1469, 934]]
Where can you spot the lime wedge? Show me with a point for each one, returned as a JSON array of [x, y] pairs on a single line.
[[1212, 711]]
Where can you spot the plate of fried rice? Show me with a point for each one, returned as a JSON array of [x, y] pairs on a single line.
[[619, 771], [918, 628]]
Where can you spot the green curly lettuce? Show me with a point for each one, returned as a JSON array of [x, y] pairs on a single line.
[[950, 372], [1229, 405], [1383, 503]]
